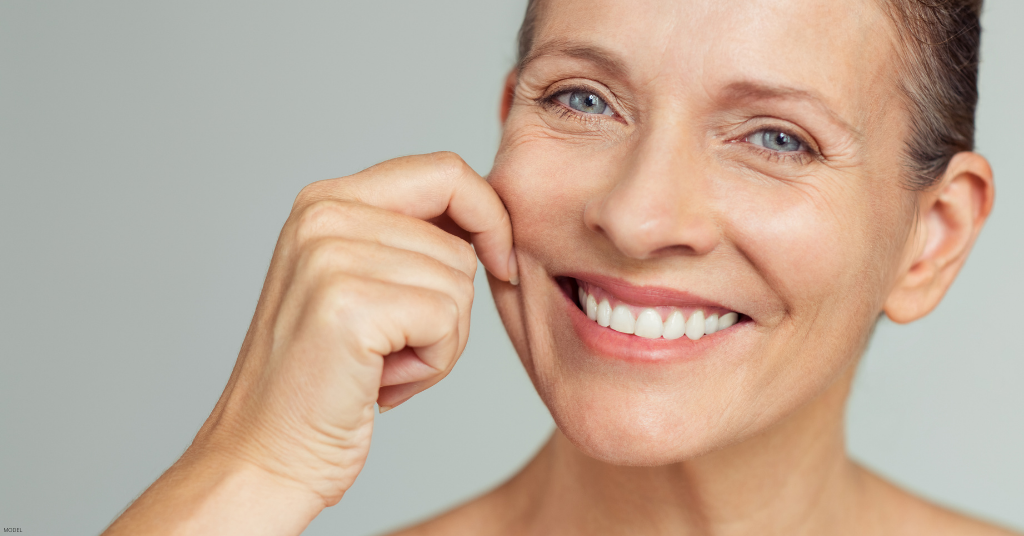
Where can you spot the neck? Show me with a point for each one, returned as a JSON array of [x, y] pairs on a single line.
[[794, 478]]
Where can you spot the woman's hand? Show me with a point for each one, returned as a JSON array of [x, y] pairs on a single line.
[[367, 300]]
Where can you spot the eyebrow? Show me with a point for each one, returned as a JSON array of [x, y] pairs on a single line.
[[752, 90], [602, 57], [739, 91]]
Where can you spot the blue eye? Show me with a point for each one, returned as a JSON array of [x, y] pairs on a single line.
[[586, 102], [776, 140]]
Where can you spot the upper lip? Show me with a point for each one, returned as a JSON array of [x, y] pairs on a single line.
[[647, 295]]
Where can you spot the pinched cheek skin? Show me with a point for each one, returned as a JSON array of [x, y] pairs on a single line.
[[545, 185]]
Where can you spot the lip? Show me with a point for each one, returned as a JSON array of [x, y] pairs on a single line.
[[611, 344], [647, 296]]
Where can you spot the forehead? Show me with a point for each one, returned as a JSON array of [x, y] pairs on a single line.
[[839, 50]]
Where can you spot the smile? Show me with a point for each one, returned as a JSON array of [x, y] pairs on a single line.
[[651, 322]]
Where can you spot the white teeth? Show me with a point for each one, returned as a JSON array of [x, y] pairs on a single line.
[[711, 324], [622, 320], [591, 308], [675, 326], [727, 320], [695, 326], [648, 324], [604, 314]]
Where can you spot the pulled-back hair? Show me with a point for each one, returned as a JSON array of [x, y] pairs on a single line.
[[938, 46]]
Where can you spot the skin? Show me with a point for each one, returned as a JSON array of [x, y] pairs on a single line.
[[740, 432]]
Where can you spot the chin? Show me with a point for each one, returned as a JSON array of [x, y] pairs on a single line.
[[630, 400], [633, 429]]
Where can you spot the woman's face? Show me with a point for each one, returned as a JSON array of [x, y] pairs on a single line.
[[699, 157]]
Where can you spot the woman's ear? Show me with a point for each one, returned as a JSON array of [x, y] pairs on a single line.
[[950, 217], [508, 94]]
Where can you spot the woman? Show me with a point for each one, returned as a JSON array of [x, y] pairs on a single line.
[[711, 204]]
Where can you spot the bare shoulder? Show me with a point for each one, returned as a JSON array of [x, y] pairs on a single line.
[[895, 511], [454, 522], [499, 512], [479, 517], [901, 512]]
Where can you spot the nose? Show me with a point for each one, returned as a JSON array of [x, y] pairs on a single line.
[[660, 204]]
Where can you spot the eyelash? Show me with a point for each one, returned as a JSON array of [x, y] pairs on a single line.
[[551, 103], [777, 157]]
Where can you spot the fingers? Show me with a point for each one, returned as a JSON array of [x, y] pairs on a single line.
[[391, 396], [367, 299], [374, 261], [372, 319], [395, 305], [333, 218], [396, 234], [403, 367], [426, 187]]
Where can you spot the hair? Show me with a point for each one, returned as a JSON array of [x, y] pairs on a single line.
[[938, 50]]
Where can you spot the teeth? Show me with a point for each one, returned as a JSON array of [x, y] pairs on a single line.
[[727, 321], [648, 323], [604, 314], [711, 324], [622, 320], [695, 326], [675, 326]]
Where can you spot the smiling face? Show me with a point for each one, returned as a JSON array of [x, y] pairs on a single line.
[[680, 161]]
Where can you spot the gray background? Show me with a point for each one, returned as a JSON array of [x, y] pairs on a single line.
[[150, 151]]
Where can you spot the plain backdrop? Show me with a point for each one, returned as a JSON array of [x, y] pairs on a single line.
[[150, 151]]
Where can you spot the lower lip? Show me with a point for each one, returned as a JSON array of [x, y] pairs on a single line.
[[611, 344]]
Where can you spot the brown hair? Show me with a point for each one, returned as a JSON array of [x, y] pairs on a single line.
[[939, 45]]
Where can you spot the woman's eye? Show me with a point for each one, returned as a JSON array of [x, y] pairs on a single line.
[[585, 102], [777, 140]]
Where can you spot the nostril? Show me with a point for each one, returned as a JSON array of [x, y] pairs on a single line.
[[642, 222], [669, 251]]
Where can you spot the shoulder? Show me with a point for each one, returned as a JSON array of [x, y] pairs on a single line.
[[894, 511], [901, 512], [504, 510], [464, 520], [482, 516]]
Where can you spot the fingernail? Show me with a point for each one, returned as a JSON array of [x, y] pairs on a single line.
[[513, 268], [385, 408]]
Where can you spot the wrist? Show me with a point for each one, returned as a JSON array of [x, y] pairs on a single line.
[[215, 494], [281, 504]]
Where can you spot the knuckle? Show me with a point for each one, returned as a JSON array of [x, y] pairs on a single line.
[[319, 255], [465, 287], [466, 257], [315, 217], [341, 296], [448, 311], [448, 164]]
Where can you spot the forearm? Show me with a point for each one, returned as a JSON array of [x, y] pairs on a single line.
[[208, 495]]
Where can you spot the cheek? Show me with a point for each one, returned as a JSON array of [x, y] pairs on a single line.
[[545, 184], [828, 253], [809, 244]]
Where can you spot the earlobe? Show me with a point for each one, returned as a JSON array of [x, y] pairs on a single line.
[[949, 219], [508, 94]]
